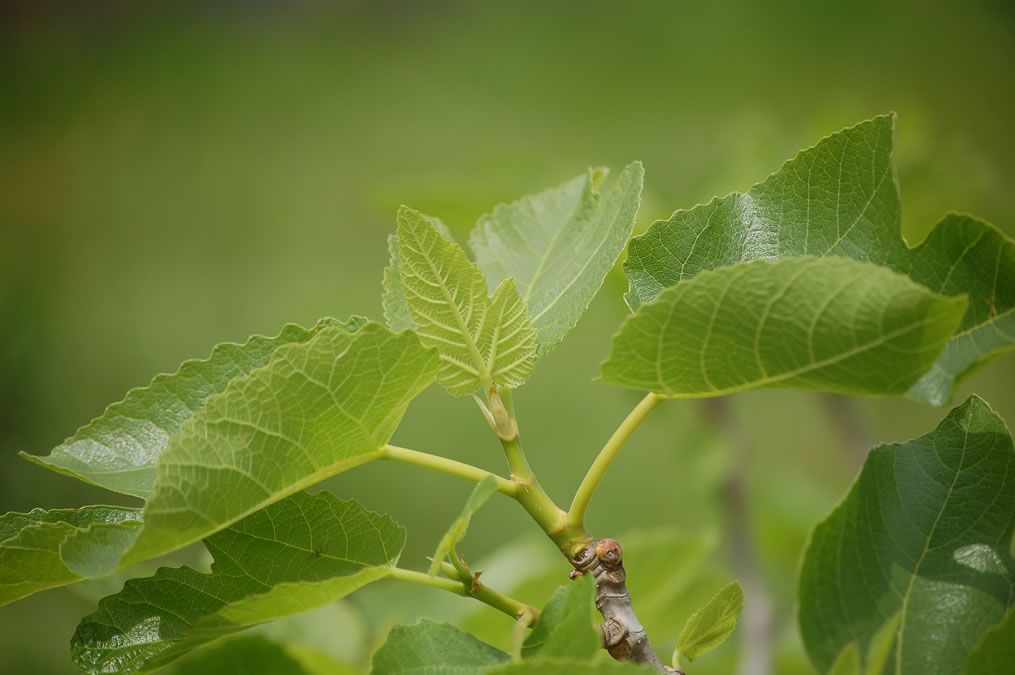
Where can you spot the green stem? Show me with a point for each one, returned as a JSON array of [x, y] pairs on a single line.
[[484, 594], [518, 636], [596, 472], [448, 466]]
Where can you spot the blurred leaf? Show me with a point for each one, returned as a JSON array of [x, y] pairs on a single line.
[[848, 662], [256, 655], [317, 409], [709, 627], [924, 533], [571, 667], [434, 649], [566, 627], [297, 554], [841, 198], [558, 246], [995, 653], [480, 339], [45, 549], [118, 450], [396, 309], [829, 324], [479, 496]]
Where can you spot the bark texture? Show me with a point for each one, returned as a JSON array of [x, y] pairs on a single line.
[[623, 635]]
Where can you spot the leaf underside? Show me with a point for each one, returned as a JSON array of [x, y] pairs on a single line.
[[45, 549], [317, 408], [558, 246], [481, 339], [118, 450], [840, 198], [297, 554], [830, 324], [920, 540]]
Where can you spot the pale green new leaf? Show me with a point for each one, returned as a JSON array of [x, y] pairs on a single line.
[[919, 544], [480, 495], [566, 627], [315, 410], [396, 309], [840, 198], [481, 339], [45, 549], [709, 627], [299, 553], [829, 324], [559, 245], [118, 450]]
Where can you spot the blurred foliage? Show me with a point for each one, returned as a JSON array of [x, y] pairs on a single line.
[[174, 177]]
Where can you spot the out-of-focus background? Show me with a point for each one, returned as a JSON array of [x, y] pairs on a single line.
[[173, 177]]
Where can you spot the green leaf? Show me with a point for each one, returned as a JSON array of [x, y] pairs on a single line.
[[433, 648], [317, 409], [923, 533], [995, 652], [396, 309], [711, 625], [480, 495], [45, 549], [118, 450], [256, 655], [559, 245], [848, 662], [829, 324], [299, 553], [481, 339], [572, 667], [566, 626], [840, 198]]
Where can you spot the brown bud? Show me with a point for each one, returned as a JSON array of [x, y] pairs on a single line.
[[609, 551]]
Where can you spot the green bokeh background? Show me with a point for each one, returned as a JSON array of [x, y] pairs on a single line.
[[175, 177]]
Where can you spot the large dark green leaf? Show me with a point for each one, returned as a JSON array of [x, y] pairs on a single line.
[[922, 539], [296, 554], [118, 450], [44, 549], [829, 324], [841, 198]]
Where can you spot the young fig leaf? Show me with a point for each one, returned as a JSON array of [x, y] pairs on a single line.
[[711, 625], [481, 339]]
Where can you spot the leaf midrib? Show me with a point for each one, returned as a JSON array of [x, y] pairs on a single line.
[[926, 549]]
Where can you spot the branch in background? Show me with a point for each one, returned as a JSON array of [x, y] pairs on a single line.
[[849, 425], [757, 624]]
